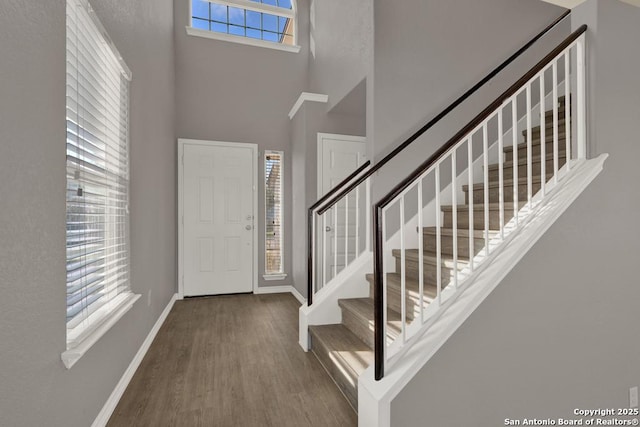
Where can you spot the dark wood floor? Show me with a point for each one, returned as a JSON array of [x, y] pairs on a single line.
[[231, 361]]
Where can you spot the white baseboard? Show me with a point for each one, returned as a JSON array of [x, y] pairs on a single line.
[[108, 408], [281, 290], [298, 296]]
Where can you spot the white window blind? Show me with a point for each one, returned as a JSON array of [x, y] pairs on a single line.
[[273, 212], [97, 151]]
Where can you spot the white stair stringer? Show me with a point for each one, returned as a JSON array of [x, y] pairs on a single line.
[[374, 397], [349, 283]]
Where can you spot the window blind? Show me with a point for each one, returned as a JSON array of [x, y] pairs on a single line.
[[97, 118], [273, 212]]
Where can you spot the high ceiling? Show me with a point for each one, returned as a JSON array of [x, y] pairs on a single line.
[[570, 4]]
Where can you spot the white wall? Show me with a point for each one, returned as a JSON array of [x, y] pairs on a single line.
[[35, 387], [559, 332]]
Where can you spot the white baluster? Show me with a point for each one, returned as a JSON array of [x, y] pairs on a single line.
[[543, 137], [514, 128], [403, 273], [346, 230], [500, 169], [581, 101], [454, 201], [485, 179], [420, 252], [529, 147], [470, 198], [335, 240], [357, 242], [438, 238], [567, 107], [555, 121]]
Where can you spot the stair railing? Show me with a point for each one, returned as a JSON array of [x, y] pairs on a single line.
[[328, 232], [464, 237], [338, 230]]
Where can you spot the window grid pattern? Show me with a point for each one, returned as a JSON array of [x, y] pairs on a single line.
[[242, 22], [273, 212]]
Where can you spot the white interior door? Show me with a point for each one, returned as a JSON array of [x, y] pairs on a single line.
[[218, 213], [338, 157]]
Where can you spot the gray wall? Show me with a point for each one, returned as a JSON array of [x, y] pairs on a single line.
[[36, 389], [343, 35], [311, 119], [238, 93], [560, 332], [428, 53]]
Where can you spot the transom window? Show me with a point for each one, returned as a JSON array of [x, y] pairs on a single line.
[[263, 21]]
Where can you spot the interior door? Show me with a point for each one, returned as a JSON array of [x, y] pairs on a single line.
[[339, 156], [218, 214]]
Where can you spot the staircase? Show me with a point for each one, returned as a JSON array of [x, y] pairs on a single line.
[[346, 349]]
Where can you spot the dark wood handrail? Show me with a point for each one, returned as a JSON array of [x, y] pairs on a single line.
[[339, 193], [379, 339]]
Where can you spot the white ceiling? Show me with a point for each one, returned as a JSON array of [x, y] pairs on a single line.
[[570, 4]]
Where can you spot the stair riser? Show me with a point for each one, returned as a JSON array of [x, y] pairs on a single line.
[[478, 218], [535, 150], [394, 302], [507, 171], [548, 124], [358, 326], [343, 382], [430, 271], [494, 193], [446, 245]]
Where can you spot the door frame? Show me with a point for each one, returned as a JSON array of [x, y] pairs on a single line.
[[321, 137], [256, 220]]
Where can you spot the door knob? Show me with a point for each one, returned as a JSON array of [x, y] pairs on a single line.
[[247, 227], [327, 229]]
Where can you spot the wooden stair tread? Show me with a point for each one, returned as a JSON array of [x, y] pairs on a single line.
[[430, 258], [535, 179], [364, 310], [345, 348], [461, 232], [549, 124], [412, 286], [508, 148], [522, 161], [478, 207]]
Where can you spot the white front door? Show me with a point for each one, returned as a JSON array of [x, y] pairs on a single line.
[[338, 157], [218, 214]]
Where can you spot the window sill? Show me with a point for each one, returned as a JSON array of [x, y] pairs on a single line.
[[270, 277], [241, 40], [72, 355]]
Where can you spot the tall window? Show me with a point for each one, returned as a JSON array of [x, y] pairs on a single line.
[[267, 22], [97, 148], [273, 171]]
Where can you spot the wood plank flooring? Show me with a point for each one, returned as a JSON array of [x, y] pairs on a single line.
[[231, 361]]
